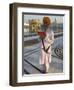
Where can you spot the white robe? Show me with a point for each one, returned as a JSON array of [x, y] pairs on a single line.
[[45, 58]]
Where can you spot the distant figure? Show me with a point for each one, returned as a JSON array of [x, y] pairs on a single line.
[[47, 37]]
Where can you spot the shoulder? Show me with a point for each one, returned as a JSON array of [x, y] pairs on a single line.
[[52, 32]]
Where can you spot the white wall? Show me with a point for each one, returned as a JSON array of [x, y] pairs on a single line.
[[4, 46]]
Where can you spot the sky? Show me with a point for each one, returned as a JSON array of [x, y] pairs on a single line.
[[58, 18]]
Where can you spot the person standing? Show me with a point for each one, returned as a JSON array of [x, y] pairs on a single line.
[[47, 41]]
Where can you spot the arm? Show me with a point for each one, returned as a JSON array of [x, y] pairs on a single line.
[[50, 39]]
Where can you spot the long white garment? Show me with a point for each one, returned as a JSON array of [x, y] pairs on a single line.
[[45, 58]]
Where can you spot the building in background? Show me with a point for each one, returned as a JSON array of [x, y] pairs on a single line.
[[26, 27], [57, 27], [34, 25]]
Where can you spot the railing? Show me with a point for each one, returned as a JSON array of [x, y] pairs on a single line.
[[35, 36], [29, 66]]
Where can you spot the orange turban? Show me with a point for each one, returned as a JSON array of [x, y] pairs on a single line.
[[46, 21]]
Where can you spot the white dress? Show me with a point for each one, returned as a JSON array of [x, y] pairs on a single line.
[[45, 58]]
